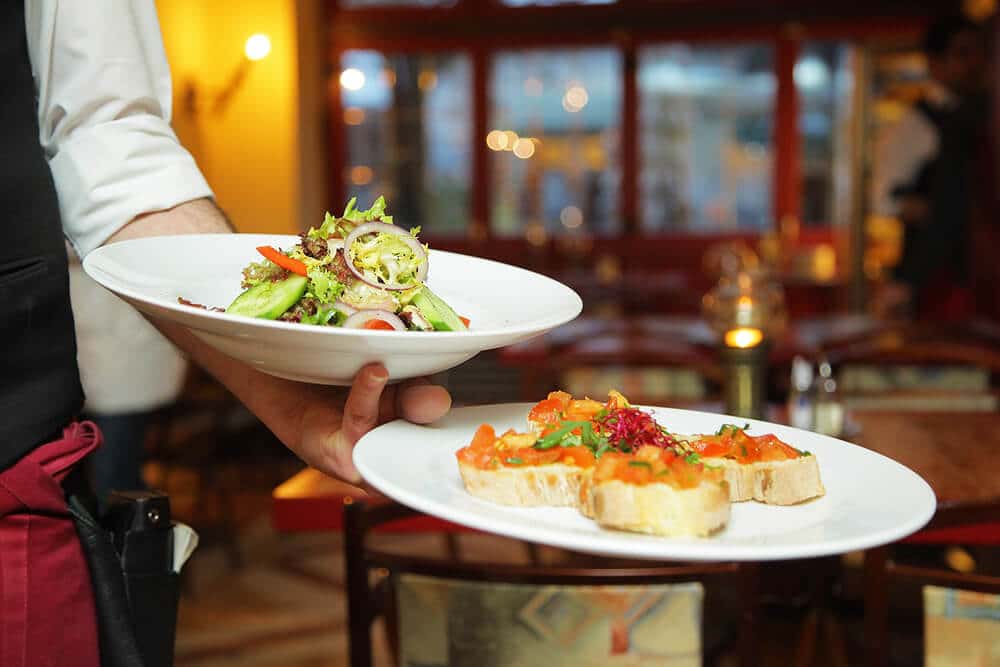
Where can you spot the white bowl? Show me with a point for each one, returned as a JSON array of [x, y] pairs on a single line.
[[506, 305]]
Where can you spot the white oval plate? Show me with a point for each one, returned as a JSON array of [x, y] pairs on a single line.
[[506, 305], [870, 500]]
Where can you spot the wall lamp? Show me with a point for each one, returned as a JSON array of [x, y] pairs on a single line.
[[257, 47]]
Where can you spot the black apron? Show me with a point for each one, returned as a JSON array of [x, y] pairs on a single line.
[[940, 245], [40, 389]]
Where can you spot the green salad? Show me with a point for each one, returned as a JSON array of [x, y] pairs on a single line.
[[357, 270]]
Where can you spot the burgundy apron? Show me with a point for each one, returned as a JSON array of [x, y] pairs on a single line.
[[46, 599]]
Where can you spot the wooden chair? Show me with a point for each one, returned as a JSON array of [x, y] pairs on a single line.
[[971, 345], [657, 361], [367, 601], [881, 570]]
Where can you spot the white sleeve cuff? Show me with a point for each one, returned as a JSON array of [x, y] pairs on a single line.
[[109, 173]]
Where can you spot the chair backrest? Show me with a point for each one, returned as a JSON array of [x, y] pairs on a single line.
[[627, 593], [961, 611], [653, 360], [919, 367]]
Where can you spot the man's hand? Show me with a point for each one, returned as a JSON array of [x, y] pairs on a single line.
[[327, 437], [321, 424]]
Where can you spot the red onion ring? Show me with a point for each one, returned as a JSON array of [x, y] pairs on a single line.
[[384, 302], [344, 307], [383, 227], [358, 319]]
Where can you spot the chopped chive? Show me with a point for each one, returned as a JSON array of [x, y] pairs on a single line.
[[640, 464], [554, 438], [693, 457], [665, 471], [732, 427], [571, 440], [515, 461]]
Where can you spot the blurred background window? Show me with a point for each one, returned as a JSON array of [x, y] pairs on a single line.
[[824, 81], [705, 134], [379, 4], [408, 126], [555, 122]]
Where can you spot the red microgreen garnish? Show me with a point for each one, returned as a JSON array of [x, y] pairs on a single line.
[[635, 428]]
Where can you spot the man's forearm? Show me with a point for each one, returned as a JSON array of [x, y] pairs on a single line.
[[200, 216], [254, 388]]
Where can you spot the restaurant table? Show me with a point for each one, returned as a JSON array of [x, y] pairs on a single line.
[[663, 340], [805, 336]]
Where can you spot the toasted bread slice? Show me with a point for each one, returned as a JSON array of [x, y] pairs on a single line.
[[739, 477], [654, 491], [787, 482], [661, 509], [554, 484]]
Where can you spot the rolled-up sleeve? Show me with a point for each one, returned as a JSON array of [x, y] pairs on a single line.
[[104, 103]]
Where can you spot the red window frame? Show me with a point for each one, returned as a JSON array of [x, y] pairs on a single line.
[[480, 28]]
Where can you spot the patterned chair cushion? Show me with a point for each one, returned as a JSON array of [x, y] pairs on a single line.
[[448, 622], [961, 628]]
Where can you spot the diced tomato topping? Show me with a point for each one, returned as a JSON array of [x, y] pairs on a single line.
[[549, 411], [652, 465], [583, 410], [485, 437], [739, 446]]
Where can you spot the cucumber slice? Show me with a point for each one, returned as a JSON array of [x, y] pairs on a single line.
[[269, 300], [436, 311]]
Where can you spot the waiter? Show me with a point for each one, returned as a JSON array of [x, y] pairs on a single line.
[[88, 152], [925, 169]]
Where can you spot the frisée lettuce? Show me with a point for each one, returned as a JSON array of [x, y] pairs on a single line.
[[356, 270]]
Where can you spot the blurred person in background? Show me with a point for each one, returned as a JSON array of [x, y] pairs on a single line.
[[925, 175], [129, 371]]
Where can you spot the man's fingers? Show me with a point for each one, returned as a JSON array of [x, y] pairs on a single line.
[[423, 403], [369, 404], [361, 411]]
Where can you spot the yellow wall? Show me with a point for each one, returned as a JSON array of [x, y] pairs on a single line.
[[250, 151]]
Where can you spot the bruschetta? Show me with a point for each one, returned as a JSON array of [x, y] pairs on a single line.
[[655, 491], [761, 468], [511, 470]]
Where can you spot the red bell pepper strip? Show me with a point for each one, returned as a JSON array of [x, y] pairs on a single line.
[[283, 260]]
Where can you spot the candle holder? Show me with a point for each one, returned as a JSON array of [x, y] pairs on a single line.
[[744, 355], [746, 310]]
